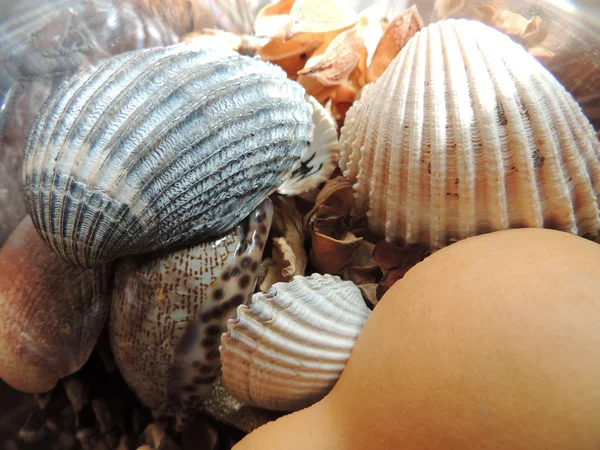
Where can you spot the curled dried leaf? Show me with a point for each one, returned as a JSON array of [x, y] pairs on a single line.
[[287, 223], [448, 8], [331, 255], [285, 266], [369, 292], [528, 32], [334, 66], [396, 261], [336, 199], [394, 38], [320, 16]]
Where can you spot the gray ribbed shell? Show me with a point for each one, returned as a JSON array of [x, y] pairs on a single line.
[[159, 148]]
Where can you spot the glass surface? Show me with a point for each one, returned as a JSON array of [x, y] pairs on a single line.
[[42, 42]]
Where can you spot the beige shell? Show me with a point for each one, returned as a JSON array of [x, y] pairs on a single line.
[[466, 133], [286, 350], [320, 159]]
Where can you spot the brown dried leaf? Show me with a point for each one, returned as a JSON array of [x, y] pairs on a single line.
[[369, 293], [273, 19], [320, 16], [528, 32], [285, 265], [341, 57], [336, 199], [330, 255], [394, 38], [287, 223], [395, 261]]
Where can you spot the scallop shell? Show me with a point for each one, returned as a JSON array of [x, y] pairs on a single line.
[[466, 133], [320, 159], [51, 313], [287, 349], [160, 148], [170, 308]]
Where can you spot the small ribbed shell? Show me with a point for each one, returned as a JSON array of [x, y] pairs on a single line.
[[170, 308], [466, 133], [160, 148], [320, 159], [287, 349]]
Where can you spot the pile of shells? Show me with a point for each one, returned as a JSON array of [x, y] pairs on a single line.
[[207, 231]]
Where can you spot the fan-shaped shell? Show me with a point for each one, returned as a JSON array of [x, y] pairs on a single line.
[[287, 349], [320, 159], [467, 133], [160, 148], [169, 309]]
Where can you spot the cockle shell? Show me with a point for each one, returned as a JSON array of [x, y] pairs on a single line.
[[286, 350], [320, 159], [466, 133], [51, 313], [170, 308], [160, 148]]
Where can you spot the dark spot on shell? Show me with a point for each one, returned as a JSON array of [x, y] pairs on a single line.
[[204, 380], [205, 369], [212, 355], [206, 317], [429, 168], [254, 266], [208, 342], [218, 294], [189, 388], [235, 271], [500, 116], [260, 216], [303, 56], [212, 330], [451, 195], [259, 243], [236, 300], [217, 313], [262, 229], [226, 275], [244, 281], [538, 159], [188, 338], [197, 365], [246, 262]]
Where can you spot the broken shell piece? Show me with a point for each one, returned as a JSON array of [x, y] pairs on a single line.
[[170, 308], [320, 159], [466, 133], [286, 350]]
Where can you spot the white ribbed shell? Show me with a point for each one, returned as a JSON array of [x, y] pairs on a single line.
[[287, 349], [466, 133], [160, 148]]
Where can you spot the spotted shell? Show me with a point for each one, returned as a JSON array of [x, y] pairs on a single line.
[[160, 148], [288, 347], [466, 133], [51, 313], [169, 309]]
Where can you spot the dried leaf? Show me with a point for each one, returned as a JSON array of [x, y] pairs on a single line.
[[330, 255], [320, 16], [394, 38], [444, 9], [528, 32], [341, 57], [285, 265], [369, 293], [273, 19], [395, 261], [287, 223], [336, 199]]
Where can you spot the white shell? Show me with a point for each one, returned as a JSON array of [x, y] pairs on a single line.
[[466, 133], [320, 159], [286, 350]]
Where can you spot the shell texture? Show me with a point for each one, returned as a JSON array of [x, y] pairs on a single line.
[[170, 308], [51, 313], [287, 349], [320, 159], [466, 133], [160, 148]]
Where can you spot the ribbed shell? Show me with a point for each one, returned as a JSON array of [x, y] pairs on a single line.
[[320, 159], [170, 308], [159, 148], [466, 133], [287, 349]]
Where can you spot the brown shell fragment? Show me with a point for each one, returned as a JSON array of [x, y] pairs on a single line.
[[51, 313]]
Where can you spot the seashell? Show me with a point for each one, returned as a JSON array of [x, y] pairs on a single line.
[[286, 350], [475, 136], [51, 313], [320, 159], [169, 309], [160, 148]]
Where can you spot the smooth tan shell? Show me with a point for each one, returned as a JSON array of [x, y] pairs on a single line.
[[288, 347], [466, 133], [51, 313]]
